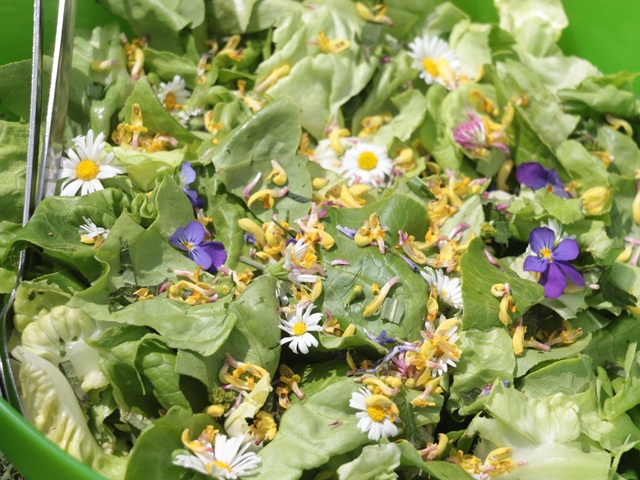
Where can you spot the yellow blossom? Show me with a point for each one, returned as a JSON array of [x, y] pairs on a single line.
[[250, 226], [350, 330], [518, 339], [376, 303], [595, 199], [277, 175], [334, 139], [283, 397], [215, 411], [136, 127], [319, 183], [275, 75], [143, 294], [370, 125], [212, 127], [376, 14], [337, 45], [267, 196], [372, 231], [404, 160], [264, 427], [244, 375], [350, 196], [231, 49]]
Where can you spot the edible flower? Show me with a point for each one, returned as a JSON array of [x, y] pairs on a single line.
[[376, 414], [448, 289], [376, 14], [371, 232], [91, 234], [208, 255], [187, 177], [299, 325], [535, 176], [435, 59], [337, 45], [173, 94], [367, 163], [83, 168], [382, 293], [226, 459], [551, 261]]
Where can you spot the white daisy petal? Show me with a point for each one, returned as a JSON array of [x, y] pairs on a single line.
[[373, 420], [426, 51], [367, 163], [83, 168], [298, 324]]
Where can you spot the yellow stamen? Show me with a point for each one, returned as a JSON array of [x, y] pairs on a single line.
[[299, 329], [545, 252], [222, 465], [367, 161], [376, 413], [87, 170]]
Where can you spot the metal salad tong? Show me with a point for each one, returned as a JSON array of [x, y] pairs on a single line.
[[40, 182]]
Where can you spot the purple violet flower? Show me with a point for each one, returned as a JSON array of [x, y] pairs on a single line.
[[551, 261], [208, 255], [187, 177], [535, 176]]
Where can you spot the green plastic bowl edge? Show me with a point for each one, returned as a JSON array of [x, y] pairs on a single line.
[[34, 455]]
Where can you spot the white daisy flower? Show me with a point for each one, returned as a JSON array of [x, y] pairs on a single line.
[[375, 416], [326, 156], [367, 163], [227, 459], [443, 333], [90, 233], [173, 93], [298, 325], [435, 60], [449, 289], [84, 168]]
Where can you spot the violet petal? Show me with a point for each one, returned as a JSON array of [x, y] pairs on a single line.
[[535, 264], [541, 238], [570, 271], [532, 174], [553, 281], [567, 250]]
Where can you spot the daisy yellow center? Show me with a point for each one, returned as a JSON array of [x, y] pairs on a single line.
[[545, 252], [376, 413], [430, 67], [299, 329], [170, 101], [367, 161], [222, 465], [87, 170]]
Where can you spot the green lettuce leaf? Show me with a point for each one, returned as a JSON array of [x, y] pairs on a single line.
[[162, 20], [376, 462], [481, 308], [402, 313], [13, 151], [315, 429], [248, 150], [151, 456]]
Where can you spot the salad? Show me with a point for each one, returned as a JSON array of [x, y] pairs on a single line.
[[333, 240]]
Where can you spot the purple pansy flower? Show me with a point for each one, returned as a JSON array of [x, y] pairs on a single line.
[[187, 177], [208, 255], [535, 176], [551, 261]]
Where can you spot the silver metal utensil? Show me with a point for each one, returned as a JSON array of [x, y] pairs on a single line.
[[47, 174]]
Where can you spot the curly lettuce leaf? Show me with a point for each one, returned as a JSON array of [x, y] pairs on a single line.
[[544, 432], [162, 20], [52, 407]]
